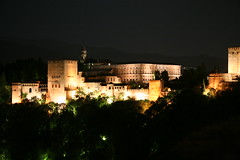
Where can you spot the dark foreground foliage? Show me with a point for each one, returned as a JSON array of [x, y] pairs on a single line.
[[184, 126]]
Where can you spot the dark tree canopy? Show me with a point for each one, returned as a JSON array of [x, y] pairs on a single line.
[[92, 129], [26, 70]]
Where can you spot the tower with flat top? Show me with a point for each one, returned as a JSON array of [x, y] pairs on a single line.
[[62, 79], [234, 60]]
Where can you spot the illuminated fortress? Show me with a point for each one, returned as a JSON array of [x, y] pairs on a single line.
[[220, 81], [100, 79]]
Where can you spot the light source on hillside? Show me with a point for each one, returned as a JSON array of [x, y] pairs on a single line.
[[104, 138]]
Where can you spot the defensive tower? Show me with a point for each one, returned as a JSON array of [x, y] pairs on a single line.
[[62, 79], [234, 60]]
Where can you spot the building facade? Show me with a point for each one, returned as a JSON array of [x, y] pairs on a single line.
[[21, 91], [138, 72], [64, 80]]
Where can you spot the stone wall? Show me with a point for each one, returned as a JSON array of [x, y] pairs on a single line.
[[30, 89], [138, 94], [216, 80]]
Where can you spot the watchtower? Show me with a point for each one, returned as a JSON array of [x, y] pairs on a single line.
[[234, 60]]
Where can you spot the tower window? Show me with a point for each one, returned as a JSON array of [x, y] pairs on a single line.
[[30, 90]]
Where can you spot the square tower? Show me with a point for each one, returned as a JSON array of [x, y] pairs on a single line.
[[234, 60], [155, 88], [62, 79]]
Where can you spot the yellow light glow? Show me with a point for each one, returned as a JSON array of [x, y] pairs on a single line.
[[140, 96], [205, 92], [16, 100], [109, 100], [126, 96], [104, 138], [73, 94], [61, 100]]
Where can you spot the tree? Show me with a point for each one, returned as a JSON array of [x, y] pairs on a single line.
[[5, 90], [195, 78], [26, 70], [25, 130], [164, 76], [157, 75], [80, 93]]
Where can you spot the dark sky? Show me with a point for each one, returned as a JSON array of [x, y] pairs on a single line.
[[172, 27]]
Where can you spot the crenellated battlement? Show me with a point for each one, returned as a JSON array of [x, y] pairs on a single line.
[[61, 61], [233, 50]]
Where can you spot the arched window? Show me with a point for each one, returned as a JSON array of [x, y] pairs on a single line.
[[30, 90]]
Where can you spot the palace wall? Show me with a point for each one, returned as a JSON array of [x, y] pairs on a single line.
[[216, 80], [64, 80], [34, 89], [139, 72], [138, 94]]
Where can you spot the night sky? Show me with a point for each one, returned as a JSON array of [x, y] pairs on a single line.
[[177, 28]]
